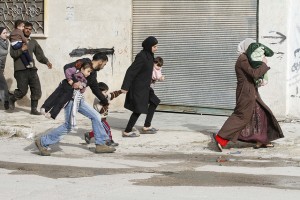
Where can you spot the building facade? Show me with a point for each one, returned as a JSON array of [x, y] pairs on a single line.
[[197, 39]]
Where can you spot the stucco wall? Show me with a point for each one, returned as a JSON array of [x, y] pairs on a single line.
[[85, 24], [273, 21], [293, 66], [96, 24]]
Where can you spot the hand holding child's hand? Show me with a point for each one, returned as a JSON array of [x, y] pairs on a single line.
[[124, 91], [104, 109]]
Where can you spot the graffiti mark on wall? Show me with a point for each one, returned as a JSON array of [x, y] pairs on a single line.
[[279, 55], [84, 51], [295, 79], [296, 66], [275, 37]]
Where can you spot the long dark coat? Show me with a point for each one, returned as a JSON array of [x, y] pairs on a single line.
[[137, 82], [246, 97]]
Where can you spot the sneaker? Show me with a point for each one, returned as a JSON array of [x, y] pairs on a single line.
[[87, 138], [43, 150], [104, 149], [111, 143], [43, 111]]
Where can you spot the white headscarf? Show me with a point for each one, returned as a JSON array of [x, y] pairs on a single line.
[[243, 45]]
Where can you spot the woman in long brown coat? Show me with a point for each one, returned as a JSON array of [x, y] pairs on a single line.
[[252, 120]]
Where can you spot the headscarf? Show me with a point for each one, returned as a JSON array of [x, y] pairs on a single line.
[[148, 43], [243, 45]]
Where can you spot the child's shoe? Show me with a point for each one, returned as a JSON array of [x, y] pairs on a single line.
[[111, 143], [87, 138]]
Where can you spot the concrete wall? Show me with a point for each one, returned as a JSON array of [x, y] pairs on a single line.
[[273, 18], [98, 24], [293, 65], [85, 24], [278, 17]]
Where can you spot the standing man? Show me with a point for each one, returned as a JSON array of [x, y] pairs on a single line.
[[55, 135], [27, 76]]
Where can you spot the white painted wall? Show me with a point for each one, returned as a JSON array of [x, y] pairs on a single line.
[[293, 64], [101, 24], [273, 20], [89, 24]]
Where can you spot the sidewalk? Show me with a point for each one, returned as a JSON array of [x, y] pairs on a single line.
[[186, 133]]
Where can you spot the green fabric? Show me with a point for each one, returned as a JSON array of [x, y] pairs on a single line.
[[255, 53]]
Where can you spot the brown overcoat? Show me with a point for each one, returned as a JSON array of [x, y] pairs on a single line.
[[246, 97]]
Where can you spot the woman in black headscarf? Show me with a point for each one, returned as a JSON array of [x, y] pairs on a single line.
[[3, 55], [140, 97]]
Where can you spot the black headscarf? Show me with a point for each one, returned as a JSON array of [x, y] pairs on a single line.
[[148, 43], [1, 29]]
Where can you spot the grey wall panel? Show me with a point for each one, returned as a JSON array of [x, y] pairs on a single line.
[[198, 41]]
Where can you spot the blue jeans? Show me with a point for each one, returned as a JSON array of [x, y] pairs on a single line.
[[55, 135]]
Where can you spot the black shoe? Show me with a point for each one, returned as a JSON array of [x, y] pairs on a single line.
[[111, 143], [6, 105], [11, 101], [35, 112], [87, 137]]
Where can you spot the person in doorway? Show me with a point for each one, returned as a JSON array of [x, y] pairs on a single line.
[[27, 77], [140, 98], [55, 135], [3, 54], [104, 113], [252, 120]]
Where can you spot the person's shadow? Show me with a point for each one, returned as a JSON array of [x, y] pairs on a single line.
[[57, 147]]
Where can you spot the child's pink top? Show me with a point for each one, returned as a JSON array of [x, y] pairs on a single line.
[[156, 74]]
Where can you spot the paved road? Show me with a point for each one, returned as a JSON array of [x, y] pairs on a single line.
[[179, 162]]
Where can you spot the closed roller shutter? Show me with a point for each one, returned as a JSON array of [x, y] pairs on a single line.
[[198, 42]]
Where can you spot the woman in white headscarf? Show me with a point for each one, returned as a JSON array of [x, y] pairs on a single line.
[[3, 54], [252, 120]]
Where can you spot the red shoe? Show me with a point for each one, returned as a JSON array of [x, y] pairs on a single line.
[[219, 146]]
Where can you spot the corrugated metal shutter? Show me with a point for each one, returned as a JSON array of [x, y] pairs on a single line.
[[198, 41]]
